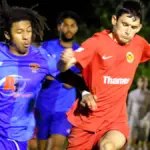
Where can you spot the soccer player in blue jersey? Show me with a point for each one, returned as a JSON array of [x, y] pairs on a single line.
[[56, 98], [22, 69]]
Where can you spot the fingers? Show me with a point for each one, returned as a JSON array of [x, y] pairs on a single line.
[[90, 101], [83, 104], [67, 55], [95, 97]]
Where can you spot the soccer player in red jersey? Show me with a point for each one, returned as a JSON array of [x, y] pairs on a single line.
[[109, 60]]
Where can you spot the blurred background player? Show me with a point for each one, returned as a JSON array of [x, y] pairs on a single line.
[[138, 110], [55, 98], [23, 68]]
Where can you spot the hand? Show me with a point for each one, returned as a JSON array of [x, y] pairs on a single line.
[[67, 55], [89, 100]]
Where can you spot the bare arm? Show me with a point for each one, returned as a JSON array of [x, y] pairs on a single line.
[[83, 55]]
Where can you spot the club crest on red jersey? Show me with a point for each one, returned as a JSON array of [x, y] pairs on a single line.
[[129, 57]]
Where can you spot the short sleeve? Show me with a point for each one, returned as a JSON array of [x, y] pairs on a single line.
[[47, 46], [146, 52], [44, 45], [52, 66], [85, 53], [51, 63]]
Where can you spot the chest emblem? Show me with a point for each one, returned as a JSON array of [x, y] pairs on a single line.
[[129, 57], [34, 67]]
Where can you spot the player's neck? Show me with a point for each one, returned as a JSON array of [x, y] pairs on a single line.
[[14, 51], [113, 36], [66, 44], [143, 89]]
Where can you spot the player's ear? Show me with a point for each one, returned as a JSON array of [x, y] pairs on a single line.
[[77, 28], [58, 27], [7, 35], [139, 28], [114, 20]]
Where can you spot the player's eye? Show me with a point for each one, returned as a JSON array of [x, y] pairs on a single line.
[[125, 24], [134, 27], [19, 31], [74, 25], [29, 30]]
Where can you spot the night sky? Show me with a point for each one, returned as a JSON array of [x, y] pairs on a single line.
[[51, 9]]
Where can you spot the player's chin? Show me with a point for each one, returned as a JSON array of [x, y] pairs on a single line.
[[125, 41], [24, 51]]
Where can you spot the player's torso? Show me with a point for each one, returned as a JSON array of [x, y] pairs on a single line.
[[60, 98], [114, 66], [141, 103], [20, 78], [109, 76]]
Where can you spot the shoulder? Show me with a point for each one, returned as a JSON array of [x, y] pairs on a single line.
[[148, 92], [38, 52], [75, 46], [92, 41], [95, 38], [140, 40], [42, 56], [3, 50], [133, 92], [49, 43], [3, 46]]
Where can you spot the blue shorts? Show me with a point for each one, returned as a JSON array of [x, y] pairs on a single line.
[[6, 144], [49, 123]]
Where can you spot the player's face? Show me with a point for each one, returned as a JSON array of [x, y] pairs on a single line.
[[125, 27], [68, 29], [142, 83], [21, 36]]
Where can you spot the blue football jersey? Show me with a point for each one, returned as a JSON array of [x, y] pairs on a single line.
[[56, 97], [20, 79]]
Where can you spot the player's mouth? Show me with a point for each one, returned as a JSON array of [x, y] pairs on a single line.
[[125, 38], [26, 44], [69, 35]]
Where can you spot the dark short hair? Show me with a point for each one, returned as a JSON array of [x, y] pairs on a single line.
[[68, 14], [133, 7]]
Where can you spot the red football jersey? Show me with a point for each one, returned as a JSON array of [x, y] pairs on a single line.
[[108, 70]]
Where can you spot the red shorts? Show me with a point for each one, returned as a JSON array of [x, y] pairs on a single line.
[[84, 140]]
